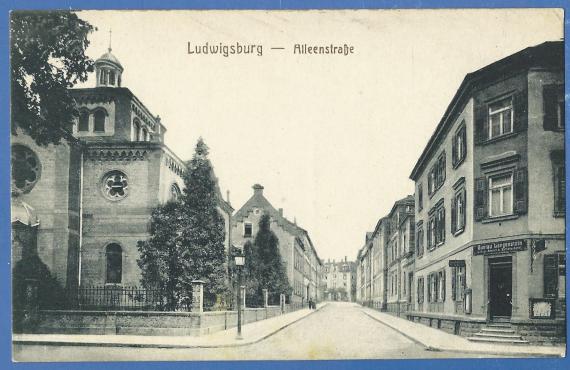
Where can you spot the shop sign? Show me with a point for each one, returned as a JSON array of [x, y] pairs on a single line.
[[502, 247], [541, 308]]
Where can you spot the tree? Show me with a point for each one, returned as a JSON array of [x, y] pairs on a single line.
[[268, 266], [47, 57], [160, 256]]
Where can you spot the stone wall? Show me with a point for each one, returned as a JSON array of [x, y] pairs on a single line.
[[147, 322]]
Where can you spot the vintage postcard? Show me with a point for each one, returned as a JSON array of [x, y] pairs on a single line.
[[287, 185]]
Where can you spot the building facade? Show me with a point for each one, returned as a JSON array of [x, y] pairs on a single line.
[[302, 263], [340, 280], [490, 202], [88, 201]]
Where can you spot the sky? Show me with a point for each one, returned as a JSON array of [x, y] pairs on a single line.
[[332, 138]]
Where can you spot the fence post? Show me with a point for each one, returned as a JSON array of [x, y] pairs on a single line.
[[265, 298], [282, 303], [198, 296]]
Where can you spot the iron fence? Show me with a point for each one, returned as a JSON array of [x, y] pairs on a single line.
[[119, 298]]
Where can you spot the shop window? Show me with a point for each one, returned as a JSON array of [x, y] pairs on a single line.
[[114, 256], [458, 217], [459, 146], [83, 125], [555, 275], [26, 169], [247, 230], [553, 105], [501, 118], [99, 120]]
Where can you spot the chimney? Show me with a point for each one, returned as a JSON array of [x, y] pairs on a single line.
[[257, 189], [281, 212], [295, 220], [227, 196]]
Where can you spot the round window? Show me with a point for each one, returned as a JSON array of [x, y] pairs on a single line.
[[115, 185], [25, 169]]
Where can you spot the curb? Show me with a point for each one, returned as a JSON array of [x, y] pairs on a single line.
[[482, 352], [151, 345]]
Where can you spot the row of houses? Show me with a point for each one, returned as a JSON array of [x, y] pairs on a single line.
[[83, 205], [482, 240]]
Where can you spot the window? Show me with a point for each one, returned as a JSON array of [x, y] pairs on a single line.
[[458, 283], [436, 286], [420, 197], [114, 255], [501, 118], [436, 226], [99, 121], [83, 121], [458, 211], [555, 275], [501, 195], [136, 130], [436, 175], [175, 192], [26, 169], [420, 294], [115, 185], [103, 77], [459, 147], [111, 77], [420, 239], [247, 230], [553, 105], [144, 135]]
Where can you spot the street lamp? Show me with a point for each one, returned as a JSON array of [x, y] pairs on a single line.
[[240, 261]]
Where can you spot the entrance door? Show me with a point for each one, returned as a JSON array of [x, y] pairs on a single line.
[[501, 287]]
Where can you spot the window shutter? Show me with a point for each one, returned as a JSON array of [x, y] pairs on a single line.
[[454, 150], [464, 215], [521, 191], [481, 123], [429, 288], [443, 225], [464, 141], [480, 204], [442, 169], [443, 286], [549, 98], [412, 238], [453, 283], [454, 214], [520, 111], [551, 275]]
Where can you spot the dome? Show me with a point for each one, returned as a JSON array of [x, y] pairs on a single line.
[[110, 58], [24, 214]]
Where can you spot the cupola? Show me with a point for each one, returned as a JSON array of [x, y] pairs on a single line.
[[108, 70]]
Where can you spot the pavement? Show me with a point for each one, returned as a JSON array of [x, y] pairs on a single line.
[[438, 340], [251, 333]]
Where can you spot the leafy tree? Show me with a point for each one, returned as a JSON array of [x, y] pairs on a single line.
[[267, 265], [160, 256], [202, 234], [187, 239], [47, 52]]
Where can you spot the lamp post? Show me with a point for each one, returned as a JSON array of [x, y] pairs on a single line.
[[240, 261]]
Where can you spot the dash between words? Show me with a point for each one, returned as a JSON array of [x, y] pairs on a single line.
[[238, 48]]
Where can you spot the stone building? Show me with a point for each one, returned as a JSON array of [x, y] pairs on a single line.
[[85, 203], [298, 253], [490, 204], [340, 280]]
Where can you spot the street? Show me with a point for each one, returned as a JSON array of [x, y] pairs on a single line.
[[337, 331]]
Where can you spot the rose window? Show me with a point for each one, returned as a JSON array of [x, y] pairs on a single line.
[[25, 169], [116, 185]]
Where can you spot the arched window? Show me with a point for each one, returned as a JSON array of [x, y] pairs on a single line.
[[103, 77], [99, 124], [25, 169], [175, 192], [144, 135], [114, 256], [83, 121], [137, 130], [111, 77]]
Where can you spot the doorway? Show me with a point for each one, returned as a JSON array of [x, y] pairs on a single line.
[[500, 288]]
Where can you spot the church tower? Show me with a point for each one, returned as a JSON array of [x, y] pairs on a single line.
[[108, 70]]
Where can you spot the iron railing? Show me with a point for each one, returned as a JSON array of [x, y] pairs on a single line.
[[119, 298]]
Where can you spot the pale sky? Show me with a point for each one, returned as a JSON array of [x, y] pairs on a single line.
[[332, 138]]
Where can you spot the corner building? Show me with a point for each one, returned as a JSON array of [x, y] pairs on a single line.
[[490, 203]]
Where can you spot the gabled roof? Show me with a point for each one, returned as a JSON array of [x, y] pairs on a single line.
[[547, 54]]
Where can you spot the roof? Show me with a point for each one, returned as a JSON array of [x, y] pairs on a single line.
[[550, 54], [258, 200], [111, 58]]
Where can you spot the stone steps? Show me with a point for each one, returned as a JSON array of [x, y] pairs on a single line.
[[498, 333]]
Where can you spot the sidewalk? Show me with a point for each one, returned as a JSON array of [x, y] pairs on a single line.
[[251, 333], [438, 340]]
